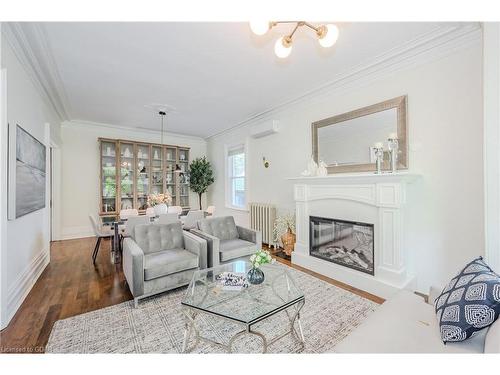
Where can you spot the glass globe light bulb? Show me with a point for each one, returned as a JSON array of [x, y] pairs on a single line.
[[259, 27], [281, 49], [330, 37]]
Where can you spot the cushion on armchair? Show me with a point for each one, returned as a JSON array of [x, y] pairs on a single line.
[[224, 228], [492, 343], [163, 263], [236, 248], [158, 237], [469, 303]]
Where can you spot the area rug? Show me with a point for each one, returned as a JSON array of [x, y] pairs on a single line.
[[157, 325]]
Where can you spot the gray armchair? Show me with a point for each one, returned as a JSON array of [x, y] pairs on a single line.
[[226, 241], [160, 257]]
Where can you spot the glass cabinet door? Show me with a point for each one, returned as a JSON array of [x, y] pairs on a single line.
[[143, 174], [184, 178], [170, 176], [127, 175], [108, 177], [131, 171], [156, 170]]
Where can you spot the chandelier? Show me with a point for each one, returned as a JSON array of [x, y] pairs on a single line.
[[327, 34]]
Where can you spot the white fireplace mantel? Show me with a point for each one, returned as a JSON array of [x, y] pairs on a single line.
[[369, 198], [358, 177]]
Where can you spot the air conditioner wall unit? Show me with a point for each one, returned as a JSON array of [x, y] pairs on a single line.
[[265, 129]]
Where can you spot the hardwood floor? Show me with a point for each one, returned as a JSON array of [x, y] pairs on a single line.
[[71, 285]]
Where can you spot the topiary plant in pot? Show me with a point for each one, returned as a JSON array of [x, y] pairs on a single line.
[[201, 176]]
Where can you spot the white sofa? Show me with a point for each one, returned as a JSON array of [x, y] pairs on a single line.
[[407, 324]]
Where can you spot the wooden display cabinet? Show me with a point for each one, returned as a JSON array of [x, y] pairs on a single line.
[[130, 171]]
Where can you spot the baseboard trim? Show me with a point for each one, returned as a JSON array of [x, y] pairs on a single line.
[[20, 289], [71, 233], [358, 280]]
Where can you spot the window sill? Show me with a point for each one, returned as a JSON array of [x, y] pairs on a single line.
[[243, 209]]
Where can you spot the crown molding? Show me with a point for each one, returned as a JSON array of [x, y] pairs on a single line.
[[427, 47], [100, 125], [30, 45]]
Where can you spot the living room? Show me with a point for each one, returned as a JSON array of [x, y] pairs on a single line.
[[226, 186]]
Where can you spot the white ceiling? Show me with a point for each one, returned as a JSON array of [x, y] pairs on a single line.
[[216, 75]]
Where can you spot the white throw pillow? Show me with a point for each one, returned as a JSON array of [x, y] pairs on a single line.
[[492, 342]]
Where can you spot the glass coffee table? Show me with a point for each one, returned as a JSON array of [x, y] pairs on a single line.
[[246, 307]]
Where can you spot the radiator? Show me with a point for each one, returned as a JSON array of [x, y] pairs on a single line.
[[262, 217]]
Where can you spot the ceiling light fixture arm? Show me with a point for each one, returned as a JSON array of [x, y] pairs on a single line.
[[327, 34], [287, 40]]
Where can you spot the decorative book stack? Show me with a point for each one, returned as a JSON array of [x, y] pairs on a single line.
[[232, 281]]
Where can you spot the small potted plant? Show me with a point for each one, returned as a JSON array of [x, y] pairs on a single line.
[[159, 202], [284, 230], [255, 275]]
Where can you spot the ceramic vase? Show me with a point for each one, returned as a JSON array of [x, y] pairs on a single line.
[[255, 276], [288, 240]]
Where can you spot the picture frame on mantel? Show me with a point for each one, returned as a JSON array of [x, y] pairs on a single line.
[[331, 124]]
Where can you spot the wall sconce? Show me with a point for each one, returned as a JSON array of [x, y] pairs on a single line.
[[266, 162]]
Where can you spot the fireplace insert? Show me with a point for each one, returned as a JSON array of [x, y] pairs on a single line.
[[346, 243]]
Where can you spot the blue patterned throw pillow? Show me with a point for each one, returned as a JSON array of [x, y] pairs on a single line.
[[469, 303]]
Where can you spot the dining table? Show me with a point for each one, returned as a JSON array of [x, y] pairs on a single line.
[[118, 228]]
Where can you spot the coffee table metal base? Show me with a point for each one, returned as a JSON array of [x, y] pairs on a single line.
[[191, 313]]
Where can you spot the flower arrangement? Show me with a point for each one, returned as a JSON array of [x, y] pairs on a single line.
[[261, 257], [156, 199]]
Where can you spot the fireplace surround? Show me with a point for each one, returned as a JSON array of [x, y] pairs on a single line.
[[360, 198]]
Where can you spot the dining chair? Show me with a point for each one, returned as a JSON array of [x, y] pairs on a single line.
[[132, 222], [176, 209], [210, 211], [161, 209], [150, 212], [168, 218], [129, 212], [100, 233], [189, 221]]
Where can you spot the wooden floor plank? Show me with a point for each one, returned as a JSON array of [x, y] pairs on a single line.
[[72, 285]]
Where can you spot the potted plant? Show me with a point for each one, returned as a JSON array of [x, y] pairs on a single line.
[[200, 176], [159, 202], [284, 230], [255, 275]]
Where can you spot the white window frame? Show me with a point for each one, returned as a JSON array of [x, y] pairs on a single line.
[[228, 178]]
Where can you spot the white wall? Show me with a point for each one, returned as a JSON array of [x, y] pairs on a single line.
[[26, 251], [80, 169], [3, 190], [491, 79], [446, 143]]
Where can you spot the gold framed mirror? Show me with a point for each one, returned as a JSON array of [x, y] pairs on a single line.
[[345, 142]]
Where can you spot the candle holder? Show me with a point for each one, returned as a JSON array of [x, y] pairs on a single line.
[[379, 154], [393, 149]]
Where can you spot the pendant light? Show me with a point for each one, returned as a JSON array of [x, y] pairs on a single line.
[[162, 114]]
